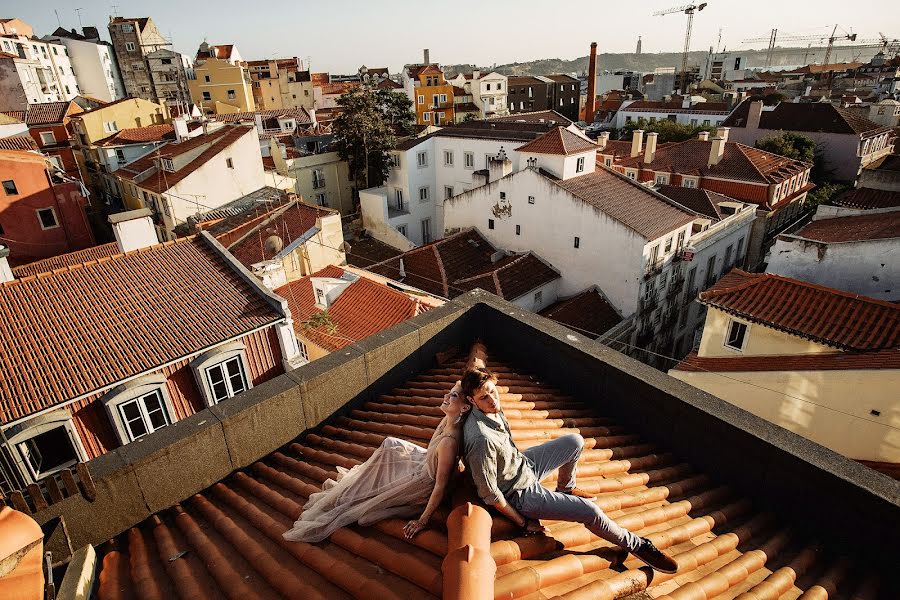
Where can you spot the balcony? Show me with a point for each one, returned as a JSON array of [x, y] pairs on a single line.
[[647, 304], [654, 269]]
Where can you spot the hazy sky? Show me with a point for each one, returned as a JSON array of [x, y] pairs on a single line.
[[339, 36]]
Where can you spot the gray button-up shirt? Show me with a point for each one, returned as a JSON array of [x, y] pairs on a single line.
[[496, 465]]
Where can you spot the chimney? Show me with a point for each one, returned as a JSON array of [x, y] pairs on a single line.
[[650, 149], [703, 136], [722, 132], [602, 139], [5, 272], [476, 74], [181, 128], [426, 57], [312, 116], [590, 106], [637, 142], [753, 114], [134, 229], [716, 150]]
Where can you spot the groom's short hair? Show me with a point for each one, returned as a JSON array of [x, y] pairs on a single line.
[[474, 378]]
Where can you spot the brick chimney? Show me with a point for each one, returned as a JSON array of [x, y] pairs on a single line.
[[637, 142], [716, 150], [650, 148], [590, 106], [754, 114], [134, 229], [5, 272]]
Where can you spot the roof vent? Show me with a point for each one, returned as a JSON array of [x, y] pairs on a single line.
[[473, 243], [498, 256]]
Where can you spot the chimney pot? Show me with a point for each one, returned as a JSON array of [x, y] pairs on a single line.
[[637, 142], [5, 271], [134, 229]]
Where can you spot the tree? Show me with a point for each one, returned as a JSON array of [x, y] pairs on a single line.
[[669, 131], [798, 147], [366, 131]]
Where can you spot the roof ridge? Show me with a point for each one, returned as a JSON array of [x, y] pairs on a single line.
[[740, 148]]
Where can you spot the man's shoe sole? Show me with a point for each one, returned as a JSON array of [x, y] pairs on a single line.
[[666, 571]]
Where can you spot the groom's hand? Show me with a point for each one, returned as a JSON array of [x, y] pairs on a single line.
[[534, 527]]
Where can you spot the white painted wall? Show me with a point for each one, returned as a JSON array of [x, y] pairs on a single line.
[[683, 118], [539, 298], [95, 69]]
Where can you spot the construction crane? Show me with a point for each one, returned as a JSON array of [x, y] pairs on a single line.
[[801, 38], [689, 10]]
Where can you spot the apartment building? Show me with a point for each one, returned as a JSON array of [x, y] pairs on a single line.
[[430, 93], [133, 39], [42, 211], [849, 142], [775, 184], [559, 93], [321, 176], [221, 82], [49, 124], [280, 83], [488, 90], [427, 170], [94, 62], [34, 71], [146, 364], [683, 112], [171, 74], [816, 361], [602, 230]]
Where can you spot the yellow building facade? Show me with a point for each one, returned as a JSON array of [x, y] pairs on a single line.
[[221, 87], [433, 96]]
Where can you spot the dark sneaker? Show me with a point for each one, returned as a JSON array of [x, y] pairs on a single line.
[[579, 493], [656, 558]]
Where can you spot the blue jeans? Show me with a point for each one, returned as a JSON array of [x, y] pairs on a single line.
[[537, 502]]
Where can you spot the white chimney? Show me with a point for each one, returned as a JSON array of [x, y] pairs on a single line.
[[6, 273], [602, 139], [703, 136], [134, 229], [650, 149], [181, 128], [637, 142], [312, 116], [402, 269], [722, 132], [716, 150], [754, 113], [272, 273], [476, 74], [327, 289]]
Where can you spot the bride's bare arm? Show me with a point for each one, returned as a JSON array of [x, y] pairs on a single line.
[[446, 461]]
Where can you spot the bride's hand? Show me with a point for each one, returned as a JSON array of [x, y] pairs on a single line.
[[413, 527]]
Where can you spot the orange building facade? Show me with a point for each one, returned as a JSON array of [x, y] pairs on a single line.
[[433, 96]]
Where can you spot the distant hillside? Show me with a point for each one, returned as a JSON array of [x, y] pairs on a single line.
[[647, 62]]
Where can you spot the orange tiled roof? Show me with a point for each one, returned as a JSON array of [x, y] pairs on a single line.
[[824, 315], [22, 556], [45, 113], [588, 312], [228, 538], [807, 116], [361, 310], [18, 142], [301, 115], [369, 251], [136, 135], [628, 202], [67, 260], [536, 116], [826, 361], [558, 141], [868, 199], [462, 262], [855, 228], [104, 322]]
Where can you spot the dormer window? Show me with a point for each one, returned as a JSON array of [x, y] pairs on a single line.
[[167, 164], [139, 408], [222, 373], [44, 445], [579, 165]]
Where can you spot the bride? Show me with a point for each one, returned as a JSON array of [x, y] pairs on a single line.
[[398, 479]]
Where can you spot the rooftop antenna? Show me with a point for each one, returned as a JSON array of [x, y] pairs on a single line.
[[115, 9], [57, 17], [719, 43], [78, 12]]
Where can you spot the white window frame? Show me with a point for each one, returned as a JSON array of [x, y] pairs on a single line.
[[401, 229], [44, 139], [135, 391], [731, 323], [321, 199], [167, 164], [129, 46], [423, 194], [37, 212], [18, 434], [203, 364], [662, 179], [469, 160], [448, 158], [689, 183], [448, 191], [422, 159], [579, 165], [421, 99]]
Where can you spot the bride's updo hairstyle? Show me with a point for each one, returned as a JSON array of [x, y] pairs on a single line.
[[473, 379]]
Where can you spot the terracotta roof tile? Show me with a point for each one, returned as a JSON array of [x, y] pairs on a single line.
[[18, 142], [361, 310], [537, 116], [369, 251], [806, 116], [82, 327], [299, 114], [824, 315], [289, 223], [851, 229], [558, 141], [227, 539], [739, 162], [869, 199], [827, 361], [151, 133], [67, 260], [45, 113], [628, 202], [702, 201], [676, 107], [589, 313], [462, 262]]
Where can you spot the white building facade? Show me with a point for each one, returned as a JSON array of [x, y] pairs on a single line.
[[489, 92], [37, 72], [94, 64]]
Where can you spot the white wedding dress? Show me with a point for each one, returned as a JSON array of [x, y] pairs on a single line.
[[395, 481]]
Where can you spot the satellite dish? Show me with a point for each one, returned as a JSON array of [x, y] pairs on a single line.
[[274, 244]]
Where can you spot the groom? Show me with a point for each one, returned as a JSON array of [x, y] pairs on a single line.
[[510, 480]]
